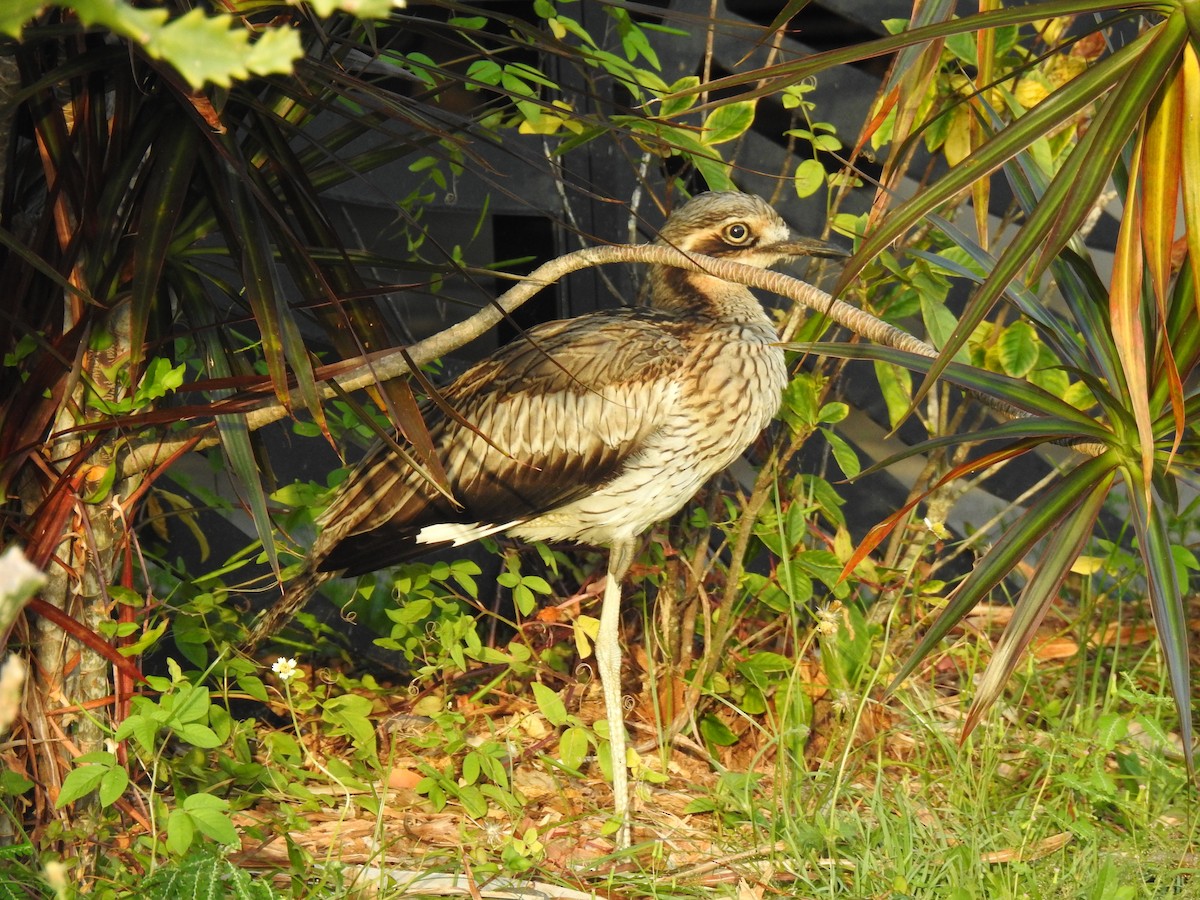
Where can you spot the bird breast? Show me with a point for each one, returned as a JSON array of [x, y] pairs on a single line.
[[726, 390]]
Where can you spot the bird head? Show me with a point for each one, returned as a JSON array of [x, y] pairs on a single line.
[[729, 225], [738, 226]]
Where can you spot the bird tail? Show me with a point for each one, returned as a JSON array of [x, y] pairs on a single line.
[[296, 595]]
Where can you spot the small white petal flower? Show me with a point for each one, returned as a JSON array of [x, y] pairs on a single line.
[[284, 668]]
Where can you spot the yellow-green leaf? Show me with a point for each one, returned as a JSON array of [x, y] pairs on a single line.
[[728, 122], [1017, 349], [809, 178]]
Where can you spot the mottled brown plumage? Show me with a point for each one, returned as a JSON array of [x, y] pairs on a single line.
[[596, 428]]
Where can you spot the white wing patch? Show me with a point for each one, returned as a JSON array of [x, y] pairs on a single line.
[[458, 533]]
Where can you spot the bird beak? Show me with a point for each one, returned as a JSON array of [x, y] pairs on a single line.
[[801, 246]]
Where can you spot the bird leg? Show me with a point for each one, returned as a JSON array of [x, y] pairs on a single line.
[[608, 660]]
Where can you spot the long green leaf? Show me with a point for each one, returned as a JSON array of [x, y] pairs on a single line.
[[1066, 543], [1058, 107], [1072, 192], [1037, 429], [1013, 391], [174, 159], [233, 429], [1183, 333], [771, 78], [1105, 140], [1047, 513], [1166, 601]]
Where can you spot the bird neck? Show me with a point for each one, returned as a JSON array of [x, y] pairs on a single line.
[[697, 294]]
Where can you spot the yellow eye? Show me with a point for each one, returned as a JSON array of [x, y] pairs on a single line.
[[737, 233]]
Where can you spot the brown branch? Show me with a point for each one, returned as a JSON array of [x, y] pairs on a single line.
[[149, 454]]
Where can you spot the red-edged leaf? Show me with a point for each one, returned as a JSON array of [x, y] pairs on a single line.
[[1161, 173], [1056, 108], [1071, 194], [1042, 429], [174, 157], [985, 51], [1190, 157], [878, 533], [904, 92], [769, 79], [1160, 182], [1127, 316]]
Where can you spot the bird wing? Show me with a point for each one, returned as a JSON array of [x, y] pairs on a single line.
[[555, 416]]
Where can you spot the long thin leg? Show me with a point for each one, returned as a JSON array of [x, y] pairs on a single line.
[[608, 659]]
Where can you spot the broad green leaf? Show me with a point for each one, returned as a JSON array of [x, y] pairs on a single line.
[[190, 704], [473, 801], [714, 171], [140, 727], [550, 704], [843, 454], [717, 732], [180, 831], [674, 105], [537, 584], [809, 178], [759, 668], [253, 685], [573, 747], [113, 785], [727, 122], [80, 782], [198, 735], [16, 13], [895, 384], [1017, 347], [939, 323]]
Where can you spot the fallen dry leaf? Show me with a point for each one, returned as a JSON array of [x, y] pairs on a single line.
[[1035, 851]]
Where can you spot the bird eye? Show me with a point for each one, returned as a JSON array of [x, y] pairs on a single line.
[[737, 233]]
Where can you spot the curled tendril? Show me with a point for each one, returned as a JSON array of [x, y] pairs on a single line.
[[585, 669]]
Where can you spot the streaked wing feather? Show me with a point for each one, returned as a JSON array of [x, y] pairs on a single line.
[[562, 412]]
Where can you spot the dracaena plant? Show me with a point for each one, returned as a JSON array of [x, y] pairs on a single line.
[[1127, 109]]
